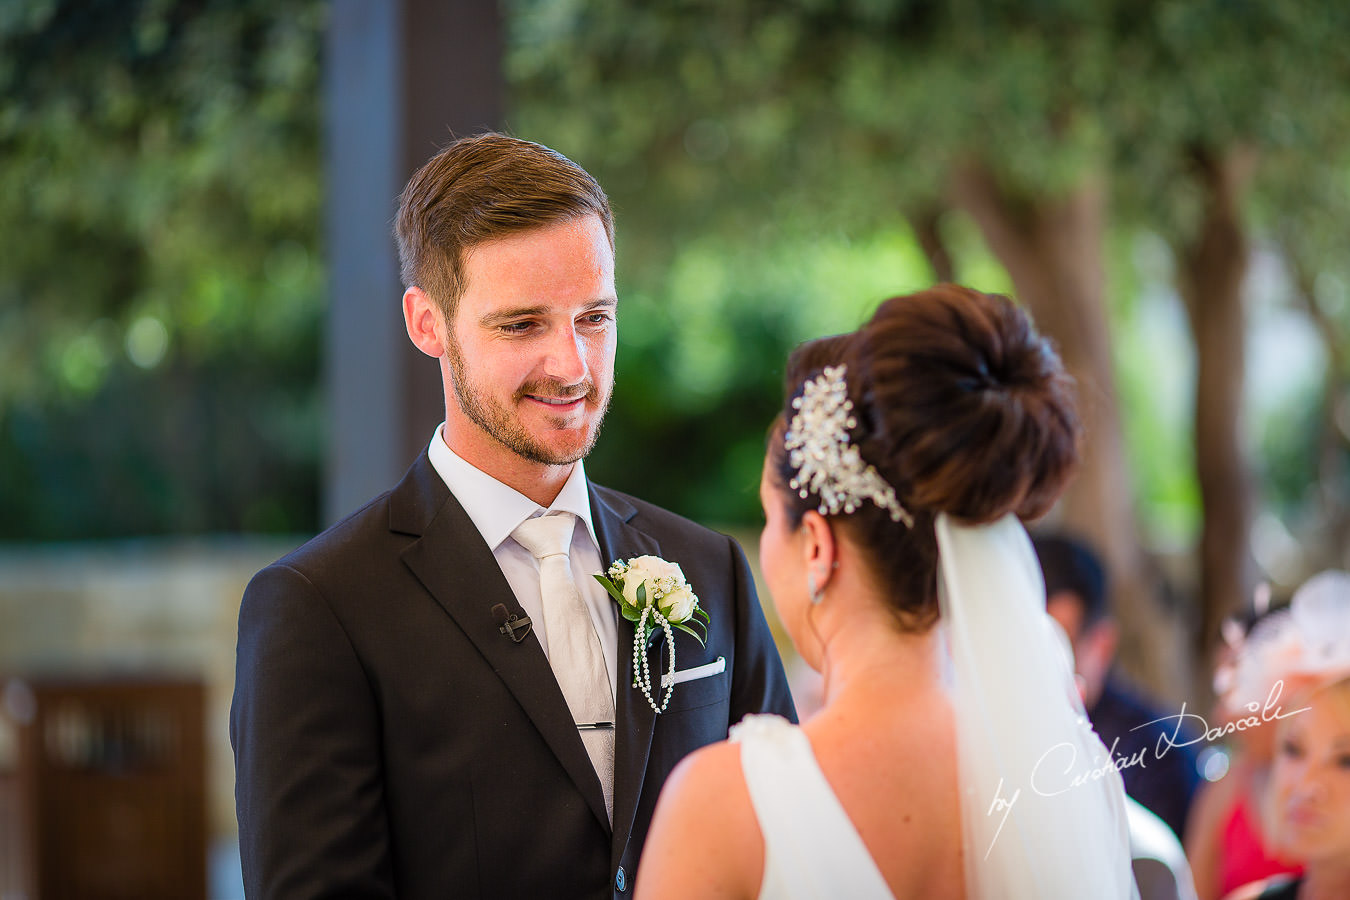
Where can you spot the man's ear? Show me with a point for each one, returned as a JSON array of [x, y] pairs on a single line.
[[426, 325], [1066, 608], [1100, 641], [818, 547]]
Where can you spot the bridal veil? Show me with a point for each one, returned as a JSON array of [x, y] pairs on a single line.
[[1042, 804]]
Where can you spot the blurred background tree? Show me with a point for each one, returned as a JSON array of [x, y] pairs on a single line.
[[1163, 184], [161, 282]]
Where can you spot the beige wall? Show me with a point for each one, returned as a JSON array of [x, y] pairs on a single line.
[[158, 606]]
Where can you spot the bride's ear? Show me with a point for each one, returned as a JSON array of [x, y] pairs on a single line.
[[819, 548]]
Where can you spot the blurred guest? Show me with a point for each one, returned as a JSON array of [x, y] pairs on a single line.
[[1227, 838], [1308, 649], [1163, 777]]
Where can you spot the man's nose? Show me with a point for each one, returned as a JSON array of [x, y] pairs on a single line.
[[566, 357]]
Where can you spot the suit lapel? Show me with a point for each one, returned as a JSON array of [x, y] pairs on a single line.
[[457, 568], [635, 719]]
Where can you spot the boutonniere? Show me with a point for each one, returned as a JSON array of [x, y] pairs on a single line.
[[652, 594]]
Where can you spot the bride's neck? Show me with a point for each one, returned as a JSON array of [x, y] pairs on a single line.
[[872, 657]]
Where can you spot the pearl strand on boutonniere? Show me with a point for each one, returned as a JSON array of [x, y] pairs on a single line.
[[642, 675]]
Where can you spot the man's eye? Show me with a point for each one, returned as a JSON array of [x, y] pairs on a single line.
[[597, 318], [516, 327], [1291, 750]]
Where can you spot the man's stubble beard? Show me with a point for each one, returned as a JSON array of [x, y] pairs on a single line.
[[498, 423]]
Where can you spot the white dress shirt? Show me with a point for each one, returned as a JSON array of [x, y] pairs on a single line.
[[496, 510]]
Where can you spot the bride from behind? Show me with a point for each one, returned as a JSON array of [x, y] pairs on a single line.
[[951, 756]]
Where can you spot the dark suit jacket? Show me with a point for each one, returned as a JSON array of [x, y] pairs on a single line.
[[390, 741], [1132, 728]]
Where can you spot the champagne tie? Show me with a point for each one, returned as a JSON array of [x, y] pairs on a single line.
[[573, 646]]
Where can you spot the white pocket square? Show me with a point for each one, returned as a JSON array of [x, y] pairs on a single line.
[[715, 667]]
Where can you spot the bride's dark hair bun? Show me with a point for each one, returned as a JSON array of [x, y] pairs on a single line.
[[966, 409], [962, 408]]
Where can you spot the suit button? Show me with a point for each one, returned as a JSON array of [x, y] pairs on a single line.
[[620, 880]]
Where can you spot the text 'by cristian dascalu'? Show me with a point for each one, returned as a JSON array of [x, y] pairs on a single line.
[[1058, 770]]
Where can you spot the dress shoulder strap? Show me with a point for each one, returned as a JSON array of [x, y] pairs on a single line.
[[811, 849]]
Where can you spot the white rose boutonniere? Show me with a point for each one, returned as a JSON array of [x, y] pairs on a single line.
[[652, 594]]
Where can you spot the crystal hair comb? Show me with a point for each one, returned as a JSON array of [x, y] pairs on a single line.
[[827, 463]]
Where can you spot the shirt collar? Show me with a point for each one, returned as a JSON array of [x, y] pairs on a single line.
[[496, 509]]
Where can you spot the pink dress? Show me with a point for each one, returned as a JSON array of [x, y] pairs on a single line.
[[1245, 858]]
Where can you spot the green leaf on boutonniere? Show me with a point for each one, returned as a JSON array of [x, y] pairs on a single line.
[[689, 631], [611, 589]]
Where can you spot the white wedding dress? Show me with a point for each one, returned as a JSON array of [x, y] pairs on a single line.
[[1042, 807], [811, 849]]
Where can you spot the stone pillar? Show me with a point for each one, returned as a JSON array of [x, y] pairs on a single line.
[[402, 78]]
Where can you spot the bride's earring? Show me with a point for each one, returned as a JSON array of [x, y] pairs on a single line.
[[817, 594]]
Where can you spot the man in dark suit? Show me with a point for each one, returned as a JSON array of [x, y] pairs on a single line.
[[399, 728]]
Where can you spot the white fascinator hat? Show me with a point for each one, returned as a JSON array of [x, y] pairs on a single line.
[[1301, 647]]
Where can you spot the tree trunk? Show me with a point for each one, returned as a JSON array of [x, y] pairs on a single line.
[[1330, 543], [1052, 249], [1210, 275], [926, 224]]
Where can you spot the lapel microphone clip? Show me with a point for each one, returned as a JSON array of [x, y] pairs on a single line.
[[517, 628]]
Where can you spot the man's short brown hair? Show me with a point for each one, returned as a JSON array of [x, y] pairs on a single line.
[[478, 189]]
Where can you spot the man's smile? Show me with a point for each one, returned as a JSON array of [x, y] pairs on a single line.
[[565, 401], [557, 401]]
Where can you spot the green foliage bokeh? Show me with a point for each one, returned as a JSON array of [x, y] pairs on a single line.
[[162, 281]]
